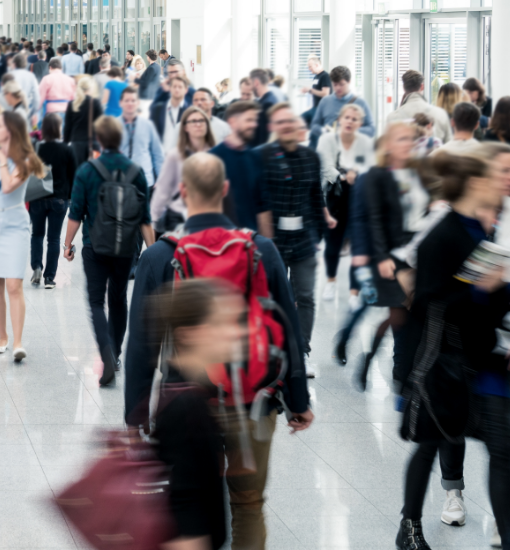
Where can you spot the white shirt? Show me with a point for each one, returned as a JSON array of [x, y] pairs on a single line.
[[171, 126], [458, 147], [413, 199]]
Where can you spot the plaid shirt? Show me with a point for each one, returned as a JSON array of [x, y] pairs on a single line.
[[294, 184]]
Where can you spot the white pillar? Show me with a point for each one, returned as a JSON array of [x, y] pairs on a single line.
[[500, 74], [342, 28], [244, 51]]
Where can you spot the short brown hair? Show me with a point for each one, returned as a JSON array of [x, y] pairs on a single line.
[[245, 80], [180, 79], [151, 54], [340, 73], [203, 175], [51, 127], [55, 63], [108, 132], [19, 61], [74, 47], [412, 81], [240, 107], [128, 90], [260, 74], [278, 107], [115, 72]]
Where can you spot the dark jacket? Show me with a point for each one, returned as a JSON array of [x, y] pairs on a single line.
[[60, 157], [361, 241], [163, 96], [50, 52], [94, 67], [385, 218], [155, 269], [158, 116], [262, 131], [76, 124], [149, 82], [40, 69]]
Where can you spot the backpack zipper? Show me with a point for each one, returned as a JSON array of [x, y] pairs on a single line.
[[120, 199]]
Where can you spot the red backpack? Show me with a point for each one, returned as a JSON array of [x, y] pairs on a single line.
[[231, 254]]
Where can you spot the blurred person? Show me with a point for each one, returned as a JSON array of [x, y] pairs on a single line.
[[266, 99], [414, 102], [445, 305], [31, 59], [465, 121], [94, 66], [397, 202], [28, 84], [425, 142], [18, 161], [499, 127], [175, 68], [16, 99], [165, 58], [203, 317], [203, 188], [449, 96], [277, 91], [321, 87], [107, 54], [102, 77], [65, 48], [135, 70], [329, 106], [112, 91], [86, 55], [92, 55], [345, 153], [40, 68], [128, 61], [167, 115], [148, 82], [59, 52], [203, 99], [50, 52], [225, 92], [293, 180], [56, 89], [245, 89], [195, 135], [105, 274], [72, 64], [477, 95], [78, 130], [248, 203], [302, 131], [53, 208]]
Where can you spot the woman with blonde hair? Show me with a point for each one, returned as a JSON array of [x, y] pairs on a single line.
[[449, 95], [16, 99], [195, 134], [80, 116], [18, 161], [136, 69]]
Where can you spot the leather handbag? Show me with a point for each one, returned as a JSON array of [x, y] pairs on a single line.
[[38, 188]]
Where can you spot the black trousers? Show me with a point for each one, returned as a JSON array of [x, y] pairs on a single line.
[[105, 273]]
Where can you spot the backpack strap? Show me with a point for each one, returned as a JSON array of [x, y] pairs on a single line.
[[100, 167], [173, 237], [131, 173]]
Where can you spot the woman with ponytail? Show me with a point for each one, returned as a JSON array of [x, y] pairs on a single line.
[[17, 162], [79, 120], [457, 386]]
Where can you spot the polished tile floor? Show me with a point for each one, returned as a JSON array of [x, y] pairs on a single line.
[[335, 486]]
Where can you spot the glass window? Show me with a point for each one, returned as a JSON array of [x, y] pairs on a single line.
[[116, 41], [487, 2], [44, 7], [94, 9], [66, 13], [59, 34], [105, 9], [130, 8], [451, 3], [117, 9], [307, 5], [50, 37], [163, 35], [59, 10], [307, 42], [51, 15], [94, 34], [84, 38], [363, 5], [277, 6], [37, 32], [159, 8], [84, 10], [145, 9], [66, 33], [74, 15], [277, 45], [44, 32], [144, 36], [130, 36], [105, 36]]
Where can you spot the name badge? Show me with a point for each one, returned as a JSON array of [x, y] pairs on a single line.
[[316, 81], [291, 224], [360, 159]]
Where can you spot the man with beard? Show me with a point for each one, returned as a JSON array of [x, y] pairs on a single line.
[[247, 203]]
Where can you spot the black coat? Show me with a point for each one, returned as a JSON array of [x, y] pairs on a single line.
[[148, 83], [94, 67], [40, 69]]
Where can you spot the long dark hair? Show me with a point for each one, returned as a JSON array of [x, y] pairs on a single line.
[[21, 151], [474, 85], [183, 142], [500, 121]]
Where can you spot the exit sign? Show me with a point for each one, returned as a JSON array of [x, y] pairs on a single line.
[[433, 6]]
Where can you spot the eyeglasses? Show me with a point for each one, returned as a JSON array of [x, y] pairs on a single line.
[[288, 121], [195, 121]]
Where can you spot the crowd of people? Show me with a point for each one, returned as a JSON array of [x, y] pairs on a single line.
[[234, 195]]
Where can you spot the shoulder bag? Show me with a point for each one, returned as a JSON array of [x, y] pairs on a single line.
[[38, 188]]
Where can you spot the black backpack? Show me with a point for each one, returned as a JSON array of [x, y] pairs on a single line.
[[120, 210]]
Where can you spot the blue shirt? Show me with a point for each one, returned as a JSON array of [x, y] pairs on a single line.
[[72, 64], [115, 88], [248, 195], [329, 108], [141, 143]]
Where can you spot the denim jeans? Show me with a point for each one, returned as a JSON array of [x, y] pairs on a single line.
[[102, 273], [302, 280], [53, 210]]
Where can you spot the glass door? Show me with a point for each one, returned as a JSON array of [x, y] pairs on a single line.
[[445, 54], [486, 53], [385, 72]]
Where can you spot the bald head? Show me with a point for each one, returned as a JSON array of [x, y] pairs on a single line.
[[203, 177]]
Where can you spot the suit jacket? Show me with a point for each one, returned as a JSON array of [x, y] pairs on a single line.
[[149, 82], [40, 69], [94, 67], [158, 116]]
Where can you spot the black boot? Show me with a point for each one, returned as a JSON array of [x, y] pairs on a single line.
[[109, 369], [410, 536], [341, 354]]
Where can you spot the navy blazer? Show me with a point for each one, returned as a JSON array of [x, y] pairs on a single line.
[[158, 116], [361, 240], [148, 83]]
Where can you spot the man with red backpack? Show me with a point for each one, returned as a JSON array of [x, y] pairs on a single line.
[[209, 233]]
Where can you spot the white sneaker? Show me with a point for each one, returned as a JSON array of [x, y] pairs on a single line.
[[308, 366], [3, 348], [329, 291], [19, 354], [355, 302], [496, 537], [454, 509]]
